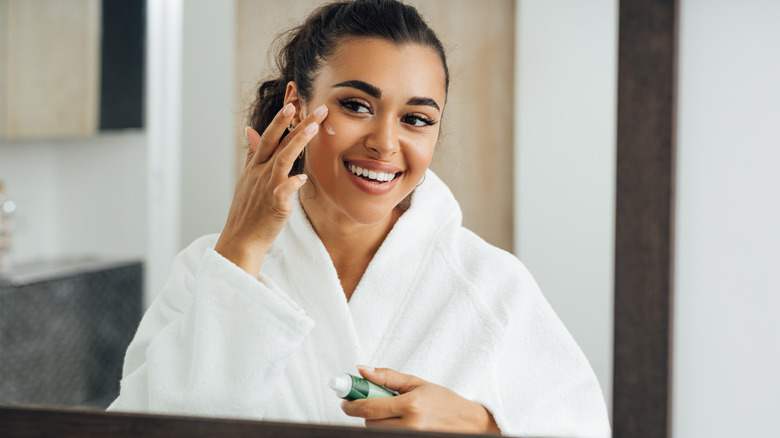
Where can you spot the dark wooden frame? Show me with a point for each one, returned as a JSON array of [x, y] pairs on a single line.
[[19, 422], [644, 233], [647, 65]]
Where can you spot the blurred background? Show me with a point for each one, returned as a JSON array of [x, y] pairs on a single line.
[[120, 143]]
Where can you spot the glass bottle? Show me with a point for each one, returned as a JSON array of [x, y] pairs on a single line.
[[7, 207]]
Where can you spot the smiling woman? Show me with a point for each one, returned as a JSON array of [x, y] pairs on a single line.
[[385, 134], [342, 248]]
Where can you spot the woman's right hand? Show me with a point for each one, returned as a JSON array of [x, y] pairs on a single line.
[[263, 201]]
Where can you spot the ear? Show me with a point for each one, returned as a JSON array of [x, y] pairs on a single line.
[[291, 96]]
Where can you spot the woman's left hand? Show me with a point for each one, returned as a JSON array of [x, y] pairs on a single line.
[[421, 405]]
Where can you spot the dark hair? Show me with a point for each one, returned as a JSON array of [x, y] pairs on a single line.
[[302, 50]]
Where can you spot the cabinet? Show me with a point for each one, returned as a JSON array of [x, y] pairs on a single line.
[[64, 329], [49, 68]]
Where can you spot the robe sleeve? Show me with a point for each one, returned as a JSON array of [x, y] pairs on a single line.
[[542, 383], [213, 342]]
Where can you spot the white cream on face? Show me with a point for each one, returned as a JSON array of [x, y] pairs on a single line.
[[329, 129]]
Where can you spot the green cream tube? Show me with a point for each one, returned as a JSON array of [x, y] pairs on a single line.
[[351, 387]]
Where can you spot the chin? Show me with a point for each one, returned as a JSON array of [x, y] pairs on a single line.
[[346, 199], [368, 213]]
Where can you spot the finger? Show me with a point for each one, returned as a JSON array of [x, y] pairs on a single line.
[[283, 194], [270, 138], [294, 143], [286, 157], [253, 141], [372, 408], [390, 379]]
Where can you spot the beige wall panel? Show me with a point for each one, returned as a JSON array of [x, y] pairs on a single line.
[[3, 66], [476, 151], [53, 61], [474, 155], [258, 23]]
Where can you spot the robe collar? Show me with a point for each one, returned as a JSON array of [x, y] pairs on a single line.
[[365, 321]]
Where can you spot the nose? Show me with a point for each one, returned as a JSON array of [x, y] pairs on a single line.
[[383, 141]]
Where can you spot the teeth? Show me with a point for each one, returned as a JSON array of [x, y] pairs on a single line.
[[370, 174]]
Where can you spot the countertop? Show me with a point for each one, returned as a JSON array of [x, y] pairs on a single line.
[[38, 271]]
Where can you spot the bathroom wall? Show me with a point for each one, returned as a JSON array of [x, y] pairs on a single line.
[[27, 170], [190, 116], [565, 127], [727, 288], [77, 196], [207, 160]]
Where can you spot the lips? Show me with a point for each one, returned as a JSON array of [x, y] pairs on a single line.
[[380, 178], [374, 171]]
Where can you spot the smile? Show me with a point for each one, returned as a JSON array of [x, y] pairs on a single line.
[[373, 177], [370, 174], [376, 176]]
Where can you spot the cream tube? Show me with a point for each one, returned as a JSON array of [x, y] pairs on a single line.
[[351, 387]]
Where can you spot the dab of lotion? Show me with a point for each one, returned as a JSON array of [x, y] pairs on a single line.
[[329, 130]]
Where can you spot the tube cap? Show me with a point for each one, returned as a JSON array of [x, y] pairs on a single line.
[[340, 384]]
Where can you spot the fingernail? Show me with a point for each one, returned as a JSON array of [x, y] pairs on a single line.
[[321, 111], [303, 176], [311, 129], [288, 109], [365, 368], [246, 133]]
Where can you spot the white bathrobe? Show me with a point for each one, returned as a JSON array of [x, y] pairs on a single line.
[[436, 302]]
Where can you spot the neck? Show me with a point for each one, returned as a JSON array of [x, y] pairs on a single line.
[[351, 245]]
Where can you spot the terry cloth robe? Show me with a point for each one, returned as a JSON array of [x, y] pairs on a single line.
[[436, 302]]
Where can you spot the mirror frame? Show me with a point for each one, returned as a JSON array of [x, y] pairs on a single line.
[[644, 217], [19, 422], [644, 245]]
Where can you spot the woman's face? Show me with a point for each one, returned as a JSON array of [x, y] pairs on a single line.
[[384, 106]]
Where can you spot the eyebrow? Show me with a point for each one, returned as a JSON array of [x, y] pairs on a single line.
[[377, 93], [362, 86], [423, 101]]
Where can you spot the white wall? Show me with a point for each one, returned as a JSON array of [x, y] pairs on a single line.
[[727, 288], [27, 171], [565, 163], [190, 108], [77, 197], [208, 95]]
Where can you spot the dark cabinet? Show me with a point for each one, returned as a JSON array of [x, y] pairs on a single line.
[[64, 330]]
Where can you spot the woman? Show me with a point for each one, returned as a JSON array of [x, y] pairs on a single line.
[[342, 248]]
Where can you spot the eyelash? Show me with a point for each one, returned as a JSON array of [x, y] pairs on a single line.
[[352, 104]]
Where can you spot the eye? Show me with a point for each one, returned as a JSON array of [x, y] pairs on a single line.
[[418, 120], [356, 106]]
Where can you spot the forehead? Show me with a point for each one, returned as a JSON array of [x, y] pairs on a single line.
[[405, 70]]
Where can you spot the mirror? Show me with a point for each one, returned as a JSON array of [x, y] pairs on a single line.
[[489, 124]]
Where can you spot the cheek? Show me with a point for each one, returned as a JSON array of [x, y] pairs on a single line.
[[341, 127], [334, 138], [421, 154], [325, 149]]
